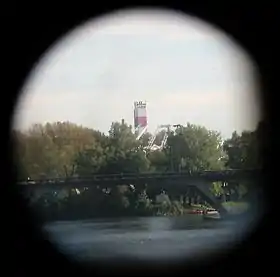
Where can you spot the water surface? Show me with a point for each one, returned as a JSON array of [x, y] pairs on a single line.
[[143, 238]]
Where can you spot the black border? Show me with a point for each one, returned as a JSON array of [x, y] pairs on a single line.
[[37, 26]]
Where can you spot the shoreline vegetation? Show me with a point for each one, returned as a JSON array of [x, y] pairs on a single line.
[[63, 211], [65, 149]]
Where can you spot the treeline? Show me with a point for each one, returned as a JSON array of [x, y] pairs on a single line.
[[66, 149]]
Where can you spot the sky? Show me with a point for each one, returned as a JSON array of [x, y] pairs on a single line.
[[185, 69]]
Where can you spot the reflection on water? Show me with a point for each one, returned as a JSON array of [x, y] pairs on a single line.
[[154, 237]]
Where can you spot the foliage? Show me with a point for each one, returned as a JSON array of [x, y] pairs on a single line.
[[63, 149], [243, 150], [66, 149]]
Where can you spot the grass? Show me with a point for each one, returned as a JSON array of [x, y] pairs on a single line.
[[236, 207]]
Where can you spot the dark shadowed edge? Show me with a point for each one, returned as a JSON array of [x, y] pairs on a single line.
[[25, 219]]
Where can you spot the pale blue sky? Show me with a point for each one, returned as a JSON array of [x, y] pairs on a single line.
[[185, 70]]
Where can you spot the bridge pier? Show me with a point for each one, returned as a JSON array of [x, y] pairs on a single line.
[[203, 188]]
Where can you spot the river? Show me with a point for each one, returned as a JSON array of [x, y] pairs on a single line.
[[147, 238]]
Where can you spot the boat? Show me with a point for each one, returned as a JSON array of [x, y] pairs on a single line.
[[211, 214], [197, 211]]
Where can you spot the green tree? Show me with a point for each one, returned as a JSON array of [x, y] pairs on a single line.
[[123, 154], [63, 148], [195, 148], [243, 150], [51, 149]]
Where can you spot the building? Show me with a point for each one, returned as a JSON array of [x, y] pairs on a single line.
[[140, 117]]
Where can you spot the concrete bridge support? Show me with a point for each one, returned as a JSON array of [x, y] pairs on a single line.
[[203, 187]]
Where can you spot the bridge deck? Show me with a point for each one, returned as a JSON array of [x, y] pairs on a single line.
[[211, 176]]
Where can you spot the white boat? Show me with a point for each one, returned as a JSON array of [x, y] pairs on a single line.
[[211, 214]]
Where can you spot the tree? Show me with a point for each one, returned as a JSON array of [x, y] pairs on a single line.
[[144, 140], [51, 149], [195, 148], [243, 150], [122, 137], [90, 161], [63, 148], [158, 161], [123, 153]]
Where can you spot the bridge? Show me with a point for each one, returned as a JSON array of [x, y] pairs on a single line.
[[199, 181]]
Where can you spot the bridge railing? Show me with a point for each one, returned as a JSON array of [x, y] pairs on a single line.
[[211, 175]]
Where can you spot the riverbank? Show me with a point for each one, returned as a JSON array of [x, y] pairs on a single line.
[[172, 209], [236, 208]]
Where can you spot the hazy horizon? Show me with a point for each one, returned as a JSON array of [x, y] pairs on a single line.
[[186, 71]]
